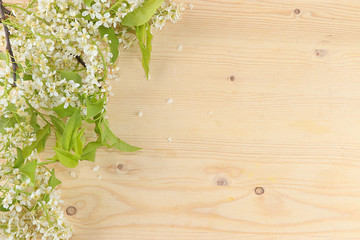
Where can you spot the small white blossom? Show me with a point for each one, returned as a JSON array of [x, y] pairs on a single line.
[[51, 88], [103, 19], [69, 100]]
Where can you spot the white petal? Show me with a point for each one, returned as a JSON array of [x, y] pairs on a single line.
[[98, 16]]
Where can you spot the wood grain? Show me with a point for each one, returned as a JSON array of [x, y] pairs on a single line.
[[288, 121]]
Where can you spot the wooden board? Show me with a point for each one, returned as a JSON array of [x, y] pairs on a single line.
[[265, 94]]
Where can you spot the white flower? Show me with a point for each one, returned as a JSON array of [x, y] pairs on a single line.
[[90, 11], [103, 19], [84, 35], [69, 100], [7, 201], [51, 89], [18, 207]]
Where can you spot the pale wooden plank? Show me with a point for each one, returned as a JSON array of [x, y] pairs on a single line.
[[289, 122]]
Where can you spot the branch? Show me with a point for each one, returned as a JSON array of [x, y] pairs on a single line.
[[7, 11], [79, 59], [8, 44]]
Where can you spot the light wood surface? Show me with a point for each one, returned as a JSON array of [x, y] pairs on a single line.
[[289, 122]]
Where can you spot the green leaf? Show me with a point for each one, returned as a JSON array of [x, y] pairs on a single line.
[[12, 108], [72, 125], [53, 181], [112, 141], [19, 158], [28, 63], [68, 75], [144, 36], [20, 68], [110, 138], [27, 77], [33, 121], [67, 158], [58, 123], [3, 56], [64, 112], [58, 139], [46, 197], [29, 169], [39, 143], [113, 41], [88, 2], [98, 129], [6, 123], [125, 147], [142, 15], [94, 108], [90, 151], [79, 140]]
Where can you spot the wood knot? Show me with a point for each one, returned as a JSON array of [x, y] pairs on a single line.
[[232, 78], [222, 181], [297, 11], [71, 211], [259, 191], [320, 52], [121, 168]]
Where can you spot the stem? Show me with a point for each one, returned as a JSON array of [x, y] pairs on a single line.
[[46, 167], [113, 6], [43, 163], [40, 114], [80, 70], [8, 44], [46, 213]]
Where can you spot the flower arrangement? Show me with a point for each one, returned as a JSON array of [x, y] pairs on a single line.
[[54, 79]]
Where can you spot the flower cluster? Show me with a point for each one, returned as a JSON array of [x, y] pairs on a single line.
[[33, 207], [65, 52]]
